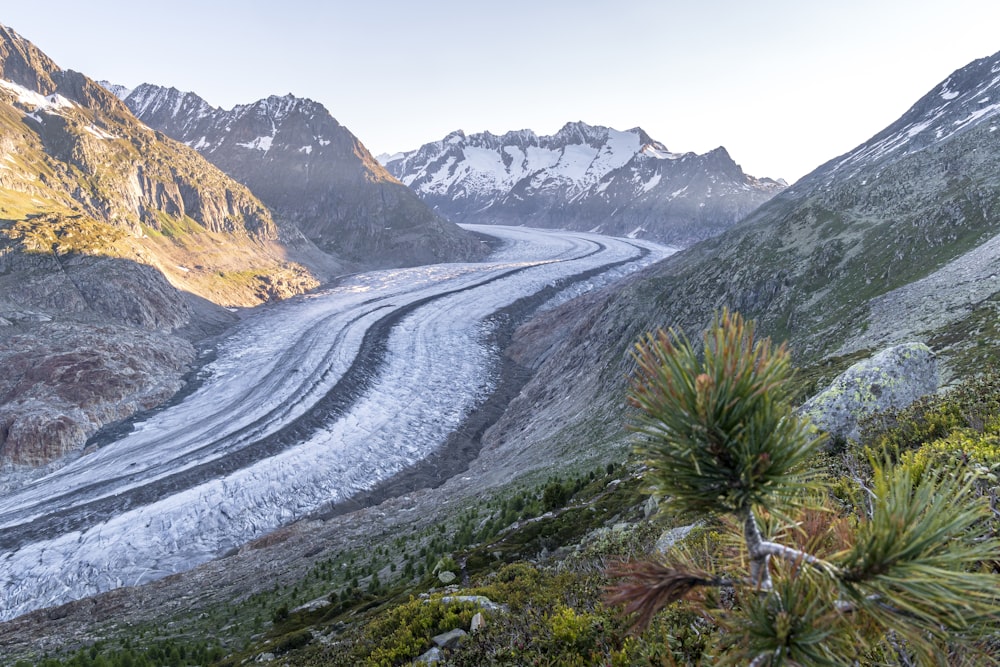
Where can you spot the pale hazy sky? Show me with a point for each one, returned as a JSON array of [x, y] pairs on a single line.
[[784, 85]]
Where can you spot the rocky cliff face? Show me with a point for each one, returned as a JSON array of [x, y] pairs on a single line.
[[583, 177], [113, 238], [312, 172]]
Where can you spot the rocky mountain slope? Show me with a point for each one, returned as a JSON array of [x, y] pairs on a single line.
[[310, 171], [896, 241], [583, 177], [113, 239]]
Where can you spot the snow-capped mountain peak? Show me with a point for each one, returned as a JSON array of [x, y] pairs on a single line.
[[577, 156], [584, 177], [118, 90]]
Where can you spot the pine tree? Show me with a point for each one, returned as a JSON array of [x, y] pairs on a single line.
[[720, 439]]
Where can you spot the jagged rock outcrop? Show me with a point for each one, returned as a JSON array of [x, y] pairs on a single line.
[[892, 379], [311, 171], [583, 177]]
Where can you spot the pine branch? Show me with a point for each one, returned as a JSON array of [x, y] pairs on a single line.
[[795, 556], [646, 587], [760, 573]]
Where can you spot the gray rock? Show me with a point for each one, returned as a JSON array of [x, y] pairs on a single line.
[[478, 622], [449, 639], [671, 537], [893, 378], [431, 657], [649, 509], [313, 605], [481, 600]]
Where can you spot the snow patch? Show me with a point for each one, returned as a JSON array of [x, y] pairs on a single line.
[[306, 149], [50, 104], [946, 92], [99, 133], [260, 143], [659, 153], [976, 115], [649, 185]]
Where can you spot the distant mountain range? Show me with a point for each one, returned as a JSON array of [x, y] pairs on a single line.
[[310, 171], [583, 177]]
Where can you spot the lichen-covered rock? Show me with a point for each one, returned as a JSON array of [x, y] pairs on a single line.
[[893, 378], [672, 536]]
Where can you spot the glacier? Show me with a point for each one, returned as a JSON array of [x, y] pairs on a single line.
[[274, 430]]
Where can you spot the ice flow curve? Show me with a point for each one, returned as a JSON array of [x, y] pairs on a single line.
[[272, 433]]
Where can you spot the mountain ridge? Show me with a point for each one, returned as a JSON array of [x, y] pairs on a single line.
[[312, 172], [585, 177]]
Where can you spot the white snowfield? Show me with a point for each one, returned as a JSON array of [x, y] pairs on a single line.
[[266, 439]]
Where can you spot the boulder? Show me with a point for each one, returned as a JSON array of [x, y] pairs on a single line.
[[449, 639], [894, 378], [478, 622], [431, 657]]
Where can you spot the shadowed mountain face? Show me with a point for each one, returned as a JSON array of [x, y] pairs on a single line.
[[311, 171], [586, 178]]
